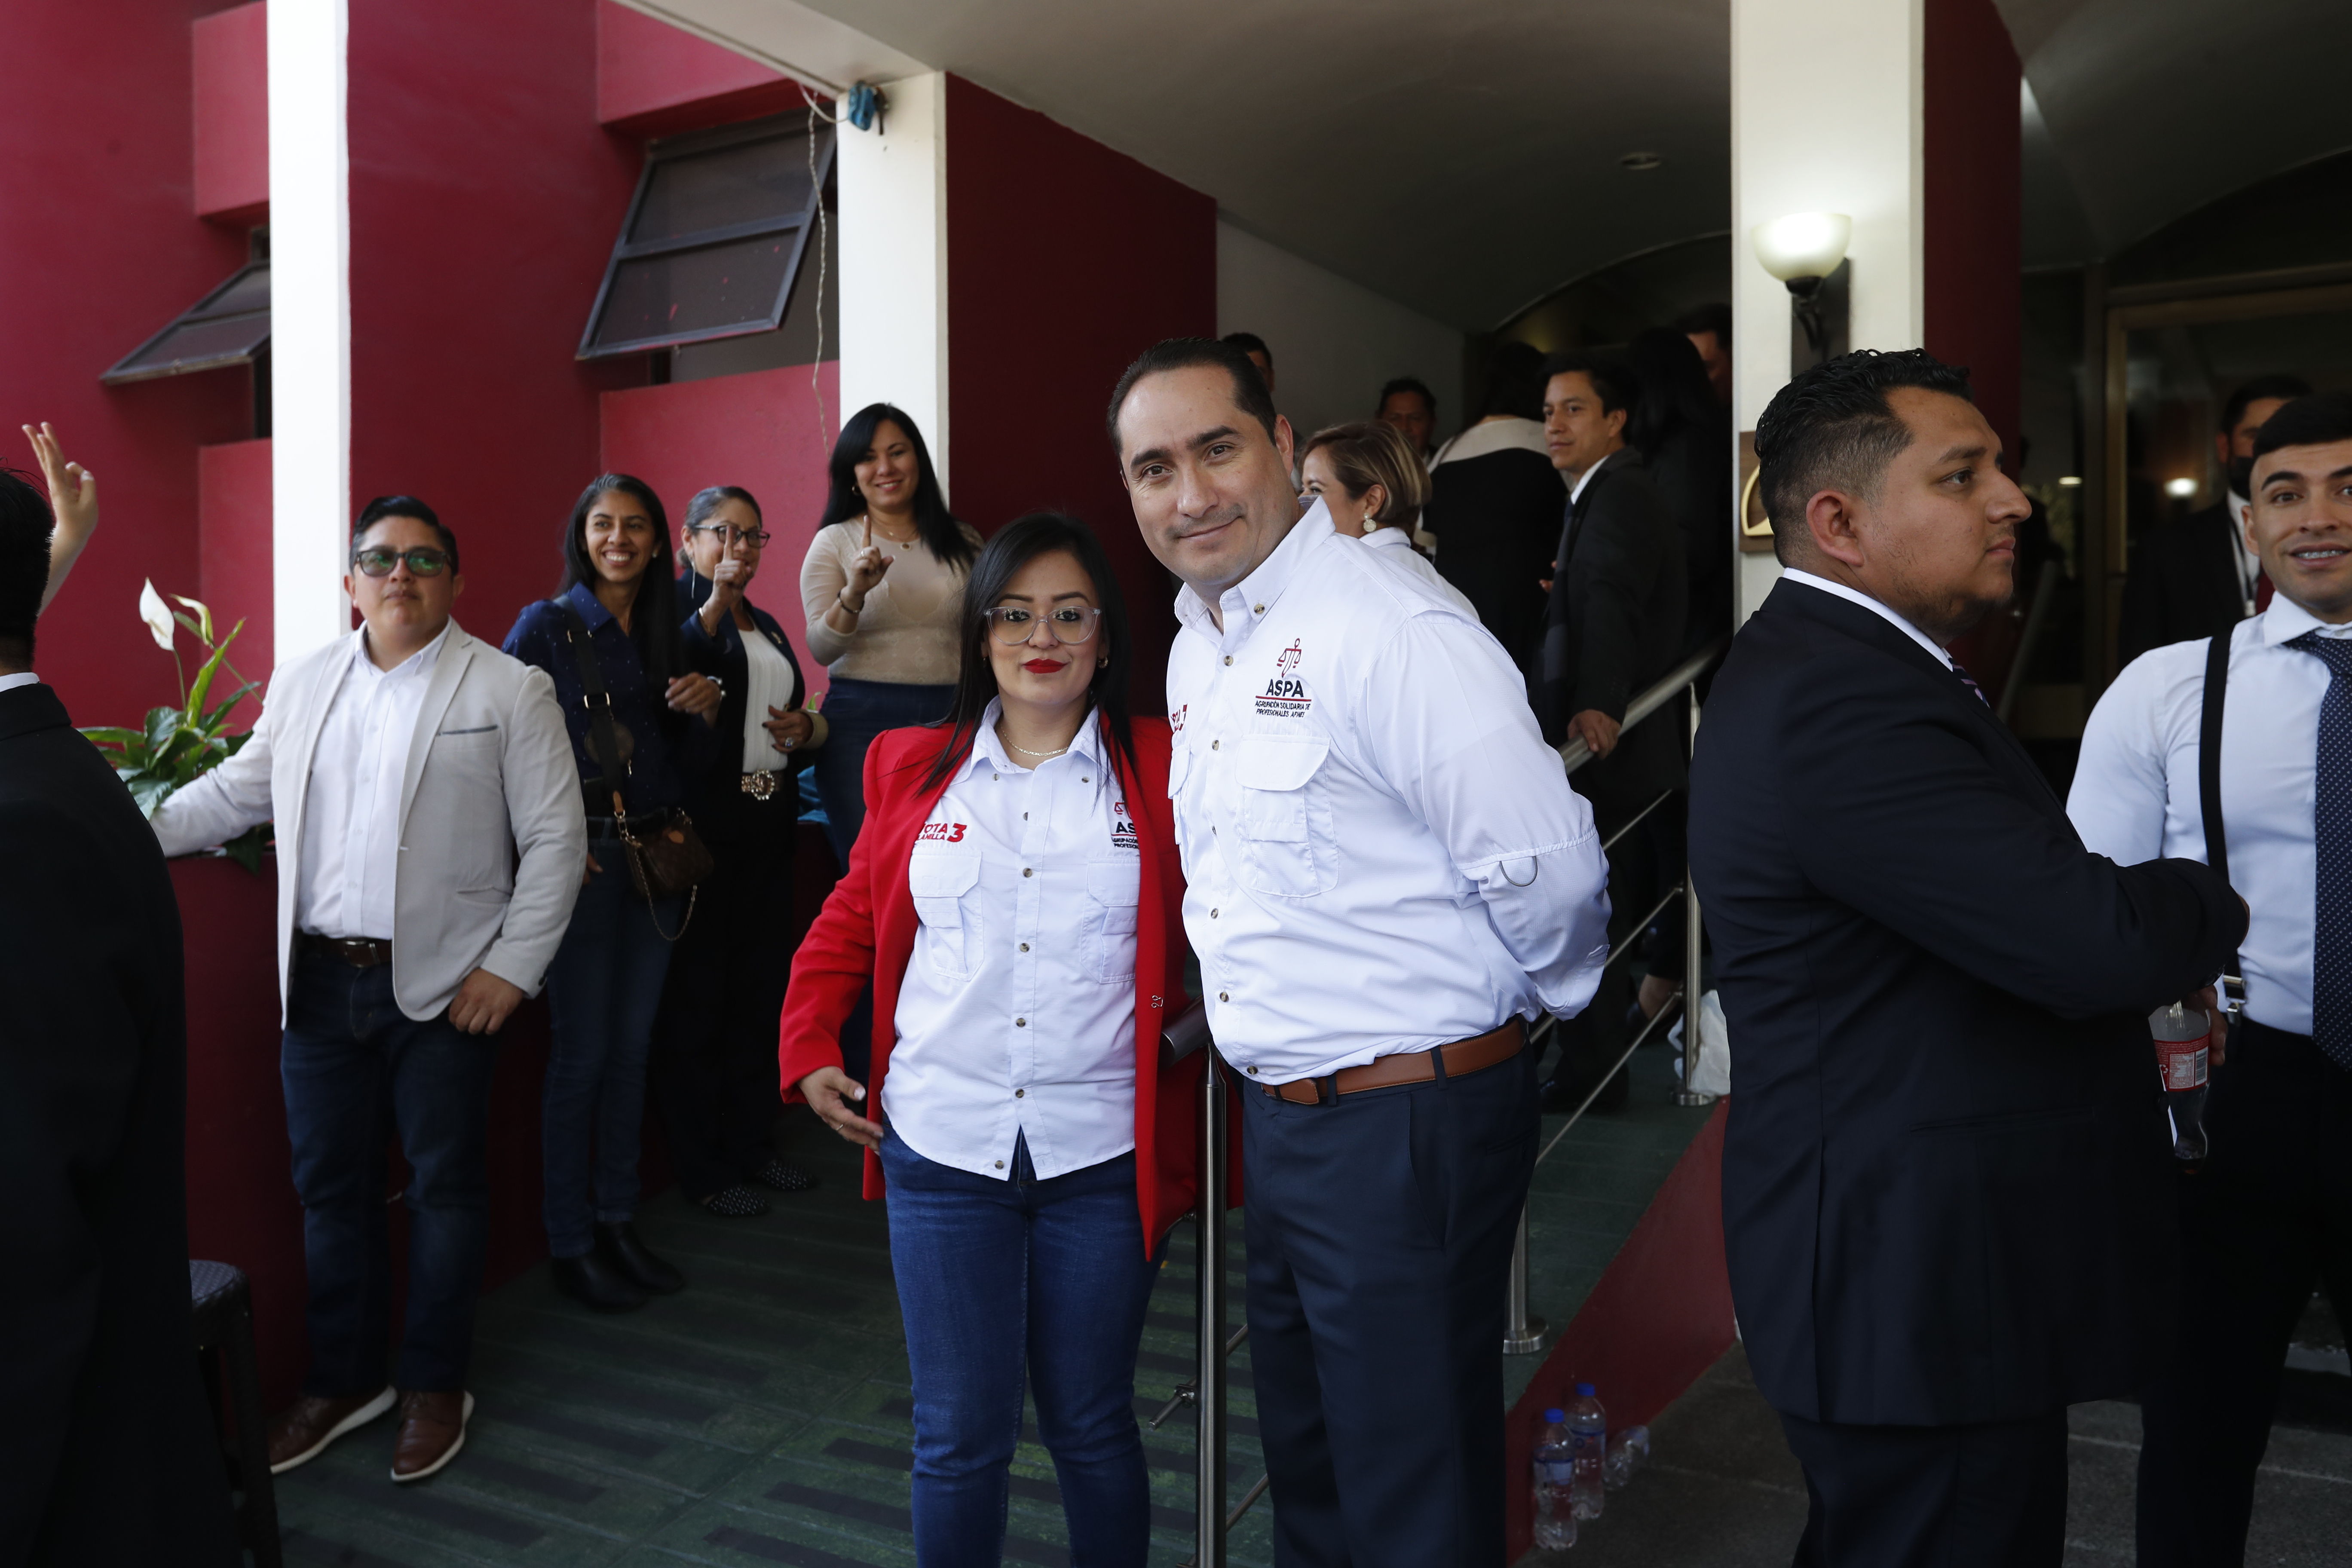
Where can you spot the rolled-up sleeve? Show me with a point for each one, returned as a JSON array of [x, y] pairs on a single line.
[[1457, 744]]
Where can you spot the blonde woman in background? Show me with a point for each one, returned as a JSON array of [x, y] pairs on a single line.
[[1372, 482], [883, 587]]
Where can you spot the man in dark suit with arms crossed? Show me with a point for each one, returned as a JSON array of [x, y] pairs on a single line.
[[1946, 1200]]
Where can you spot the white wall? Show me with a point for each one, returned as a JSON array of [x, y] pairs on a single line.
[[309, 325], [893, 193], [1334, 342], [1825, 117]]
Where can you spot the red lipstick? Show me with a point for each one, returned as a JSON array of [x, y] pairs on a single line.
[[1042, 666]]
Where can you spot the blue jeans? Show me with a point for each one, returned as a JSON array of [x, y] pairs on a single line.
[[603, 991], [353, 1065], [996, 1274], [855, 713]]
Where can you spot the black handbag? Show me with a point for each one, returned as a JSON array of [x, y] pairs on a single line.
[[667, 856]]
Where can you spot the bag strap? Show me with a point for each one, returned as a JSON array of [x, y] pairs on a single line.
[[602, 743], [2208, 791]]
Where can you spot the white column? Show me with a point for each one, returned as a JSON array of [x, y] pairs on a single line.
[[1826, 116], [894, 260], [310, 322]]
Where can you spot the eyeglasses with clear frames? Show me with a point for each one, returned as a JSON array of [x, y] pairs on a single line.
[[729, 533], [1014, 624]]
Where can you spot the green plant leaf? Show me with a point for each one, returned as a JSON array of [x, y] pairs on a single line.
[[103, 735], [211, 723], [162, 722], [205, 679], [149, 793], [248, 847]]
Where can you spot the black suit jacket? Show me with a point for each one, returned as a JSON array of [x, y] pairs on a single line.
[[1946, 1185], [723, 656], [2183, 585], [1496, 517], [108, 1448], [1614, 627]]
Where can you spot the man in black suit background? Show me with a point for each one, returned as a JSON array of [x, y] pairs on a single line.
[[1947, 1193], [107, 1451], [1612, 626], [2193, 577]]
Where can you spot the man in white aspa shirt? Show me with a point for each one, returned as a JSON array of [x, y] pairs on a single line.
[[2269, 1217], [1387, 876]]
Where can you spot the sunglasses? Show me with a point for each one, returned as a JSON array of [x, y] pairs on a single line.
[[423, 561]]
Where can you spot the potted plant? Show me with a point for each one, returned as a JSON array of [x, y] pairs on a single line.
[[177, 745]]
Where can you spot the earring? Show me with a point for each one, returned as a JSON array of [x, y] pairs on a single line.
[[1103, 663]]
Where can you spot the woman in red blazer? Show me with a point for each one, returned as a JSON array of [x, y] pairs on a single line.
[[1014, 899]]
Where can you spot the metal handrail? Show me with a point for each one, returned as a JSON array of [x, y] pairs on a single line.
[[1576, 754]]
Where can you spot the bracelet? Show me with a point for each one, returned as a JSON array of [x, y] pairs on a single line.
[[854, 611]]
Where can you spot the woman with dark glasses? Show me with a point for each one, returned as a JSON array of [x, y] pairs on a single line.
[[618, 614], [1015, 902], [714, 1066]]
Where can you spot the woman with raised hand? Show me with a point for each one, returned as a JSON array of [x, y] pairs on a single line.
[[883, 588], [616, 616], [1015, 902]]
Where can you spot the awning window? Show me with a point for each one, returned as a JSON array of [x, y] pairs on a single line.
[[228, 326], [714, 236]]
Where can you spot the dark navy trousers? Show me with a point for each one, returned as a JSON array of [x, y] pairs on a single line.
[[1380, 1228]]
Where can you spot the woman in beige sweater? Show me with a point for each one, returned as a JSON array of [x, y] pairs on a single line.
[[883, 586]]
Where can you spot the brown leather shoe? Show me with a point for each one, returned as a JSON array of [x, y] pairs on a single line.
[[301, 1432], [432, 1430]]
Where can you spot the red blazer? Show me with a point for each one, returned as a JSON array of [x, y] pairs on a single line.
[[866, 932]]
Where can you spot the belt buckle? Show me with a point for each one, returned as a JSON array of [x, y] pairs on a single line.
[[760, 785]]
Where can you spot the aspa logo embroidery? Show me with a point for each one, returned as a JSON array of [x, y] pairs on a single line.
[[1122, 826], [947, 832], [1286, 695]]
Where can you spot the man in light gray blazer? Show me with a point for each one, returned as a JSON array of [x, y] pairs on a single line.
[[430, 844]]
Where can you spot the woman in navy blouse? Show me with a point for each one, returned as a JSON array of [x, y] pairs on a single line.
[[606, 981]]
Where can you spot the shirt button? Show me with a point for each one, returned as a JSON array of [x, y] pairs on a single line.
[[1252, 1071], [1020, 1023], [1224, 996], [1027, 872], [1213, 914], [999, 1164], [1019, 1093], [1084, 778], [1258, 609], [1024, 947], [1228, 658], [1214, 744]]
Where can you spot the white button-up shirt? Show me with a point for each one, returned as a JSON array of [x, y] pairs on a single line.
[[769, 685], [1381, 853], [1397, 545], [1017, 1013], [1856, 596], [350, 816], [2136, 787]]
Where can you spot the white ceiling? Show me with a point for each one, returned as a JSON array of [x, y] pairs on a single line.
[[1459, 158], [2154, 108]]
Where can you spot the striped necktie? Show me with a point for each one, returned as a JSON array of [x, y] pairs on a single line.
[[2331, 925], [1969, 680]]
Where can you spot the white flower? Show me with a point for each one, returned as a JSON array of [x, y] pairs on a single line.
[[157, 615], [204, 617]]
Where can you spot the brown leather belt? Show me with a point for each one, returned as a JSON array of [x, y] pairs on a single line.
[[359, 951], [1492, 1049]]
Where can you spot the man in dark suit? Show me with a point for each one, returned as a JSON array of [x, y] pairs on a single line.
[[108, 1449], [1947, 1193], [2193, 577], [1613, 625]]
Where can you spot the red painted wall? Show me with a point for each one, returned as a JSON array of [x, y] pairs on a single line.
[[232, 115], [233, 573], [1055, 283], [1659, 1318], [654, 79], [485, 199], [102, 248], [1974, 214], [759, 431]]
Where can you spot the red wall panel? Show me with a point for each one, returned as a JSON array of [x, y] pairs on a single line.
[[759, 431], [233, 573], [1974, 214], [102, 247], [232, 115], [1055, 283], [653, 80], [484, 198]]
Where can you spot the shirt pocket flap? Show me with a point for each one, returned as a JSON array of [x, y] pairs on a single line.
[[1268, 763], [937, 874], [1115, 883]]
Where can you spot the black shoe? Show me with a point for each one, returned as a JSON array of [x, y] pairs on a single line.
[[595, 1281], [785, 1178], [619, 1243]]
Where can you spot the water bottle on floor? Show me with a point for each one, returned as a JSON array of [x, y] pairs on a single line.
[[1588, 1441], [1555, 1517], [2181, 1041], [1627, 1450]]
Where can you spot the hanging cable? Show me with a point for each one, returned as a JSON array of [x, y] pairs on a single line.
[[824, 231]]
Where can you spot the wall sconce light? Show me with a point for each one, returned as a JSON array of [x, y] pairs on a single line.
[[1807, 252], [2180, 490]]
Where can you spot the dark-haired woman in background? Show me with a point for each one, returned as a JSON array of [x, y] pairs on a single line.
[[1684, 439], [606, 981], [883, 588], [1017, 904], [715, 1067]]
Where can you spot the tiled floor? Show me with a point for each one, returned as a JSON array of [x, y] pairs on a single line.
[[763, 1416]]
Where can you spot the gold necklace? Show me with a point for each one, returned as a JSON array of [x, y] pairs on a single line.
[[868, 520], [1041, 755]]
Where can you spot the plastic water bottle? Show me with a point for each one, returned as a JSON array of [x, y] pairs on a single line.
[[2181, 1039], [1555, 1519], [1627, 1451], [1588, 1441]]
